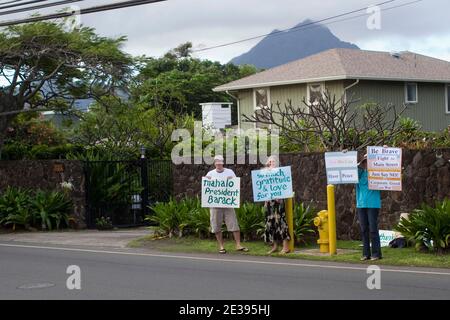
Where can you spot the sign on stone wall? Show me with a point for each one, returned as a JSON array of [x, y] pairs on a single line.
[[341, 167], [221, 193], [384, 166], [269, 184]]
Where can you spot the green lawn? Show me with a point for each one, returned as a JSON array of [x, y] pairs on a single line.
[[399, 257]]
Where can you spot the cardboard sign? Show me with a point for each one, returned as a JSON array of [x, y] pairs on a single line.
[[221, 193], [270, 184], [341, 167], [384, 166], [386, 236]]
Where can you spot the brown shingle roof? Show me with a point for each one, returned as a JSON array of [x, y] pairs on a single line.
[[335, 64]]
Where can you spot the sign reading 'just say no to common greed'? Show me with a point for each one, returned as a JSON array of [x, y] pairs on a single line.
[[221, 193], [269, 184]]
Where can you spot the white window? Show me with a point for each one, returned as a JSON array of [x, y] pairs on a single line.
[[411, 92], [315, 92], [447, 98], [261, 98]]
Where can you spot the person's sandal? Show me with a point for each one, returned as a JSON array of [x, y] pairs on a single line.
[[222, 251], [243, 249], [285, 252]]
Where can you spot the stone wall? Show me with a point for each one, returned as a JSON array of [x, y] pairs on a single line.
[[426, 178], [47, 175]]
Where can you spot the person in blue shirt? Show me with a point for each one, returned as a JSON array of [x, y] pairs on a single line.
[[368, 204]]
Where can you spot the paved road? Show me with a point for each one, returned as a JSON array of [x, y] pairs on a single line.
[[137, 274]]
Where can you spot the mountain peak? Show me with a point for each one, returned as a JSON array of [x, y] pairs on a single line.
[[296, 43]]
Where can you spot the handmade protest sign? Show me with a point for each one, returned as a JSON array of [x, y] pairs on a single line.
[[269, 184], [341, 167], [221, 193], [384, 166]]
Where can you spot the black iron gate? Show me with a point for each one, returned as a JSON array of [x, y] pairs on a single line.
[[123, 190]]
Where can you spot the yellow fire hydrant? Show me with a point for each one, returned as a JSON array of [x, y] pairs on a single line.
[[321, 222]]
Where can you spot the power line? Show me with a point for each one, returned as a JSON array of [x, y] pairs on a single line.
[[108, 7], [41, 6], [12, 1], [20, 4], [301, 27]]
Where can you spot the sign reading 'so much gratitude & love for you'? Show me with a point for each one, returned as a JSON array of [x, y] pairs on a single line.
[[269, 184]]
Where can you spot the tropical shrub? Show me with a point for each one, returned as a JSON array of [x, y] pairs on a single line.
[[303, 221], [198, 220], [43, 209], [251, 220], [103, 223], [428, 226], [171, 217], [15, 208], [51, 209]]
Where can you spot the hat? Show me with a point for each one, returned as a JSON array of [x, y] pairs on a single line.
[[218, 158]]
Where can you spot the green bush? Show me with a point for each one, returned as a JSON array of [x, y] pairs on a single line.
[[15, 208], [52, 208], [103, 223], [171, 217], [251, 220], [428, 226], [43, 209], [303, 221], [198, 220]]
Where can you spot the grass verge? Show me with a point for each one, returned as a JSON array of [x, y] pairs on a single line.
[[396, 257]]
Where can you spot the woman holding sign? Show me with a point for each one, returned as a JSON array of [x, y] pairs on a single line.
[[368, 204], [276, 225]]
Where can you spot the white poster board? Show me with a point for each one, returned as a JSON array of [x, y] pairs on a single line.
[[269, 184], [221, 193], [386, 236], [384, 166], [341, 167]]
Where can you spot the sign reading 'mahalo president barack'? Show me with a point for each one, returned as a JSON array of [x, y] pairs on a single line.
[[221, 193], [269, 184]]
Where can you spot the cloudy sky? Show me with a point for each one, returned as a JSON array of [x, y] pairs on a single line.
[[152, 29]]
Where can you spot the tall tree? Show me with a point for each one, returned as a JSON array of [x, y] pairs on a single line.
[[43, 66], [180, 82]]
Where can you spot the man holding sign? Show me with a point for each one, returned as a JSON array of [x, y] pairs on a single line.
[[222, 208]]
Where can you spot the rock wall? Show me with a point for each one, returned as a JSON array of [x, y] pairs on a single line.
[[426, 178], [48, 175]]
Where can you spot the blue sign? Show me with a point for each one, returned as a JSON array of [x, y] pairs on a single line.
[[270, 184]]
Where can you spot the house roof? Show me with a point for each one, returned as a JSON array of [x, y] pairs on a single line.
[[337, 64]]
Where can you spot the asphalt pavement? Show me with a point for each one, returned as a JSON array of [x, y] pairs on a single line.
[[33, 271]]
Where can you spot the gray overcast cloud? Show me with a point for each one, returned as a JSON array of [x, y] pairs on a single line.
[[152, 29]]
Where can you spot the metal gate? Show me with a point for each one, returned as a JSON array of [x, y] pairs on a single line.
[[124, 190]]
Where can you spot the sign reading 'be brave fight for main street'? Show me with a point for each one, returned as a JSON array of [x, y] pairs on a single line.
[[270, 184], [385, 168], [218, 193]]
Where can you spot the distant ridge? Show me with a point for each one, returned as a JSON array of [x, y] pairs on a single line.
[[287, 46]]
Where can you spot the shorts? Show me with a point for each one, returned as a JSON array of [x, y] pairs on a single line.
[[219, 215]]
